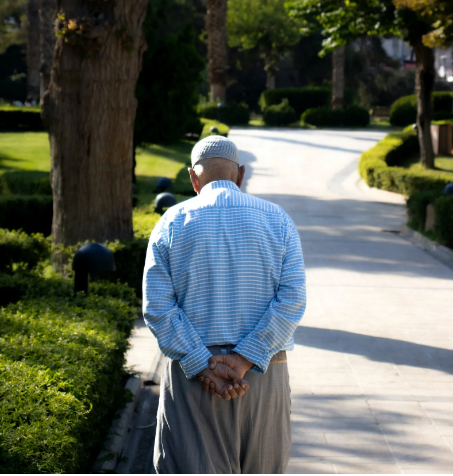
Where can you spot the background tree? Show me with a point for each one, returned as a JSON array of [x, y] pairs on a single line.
[[166, 95], [216, 17], [47, 17], [89, 110], [13, 19], [338, 62], [415, 20], [33, 49], [264, 24]]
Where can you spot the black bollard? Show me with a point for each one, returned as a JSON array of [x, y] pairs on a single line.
[[448, 190], [90, 258], [164, 200], [163, 183]]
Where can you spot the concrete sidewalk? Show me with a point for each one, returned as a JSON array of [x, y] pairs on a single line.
[[371, 374], [372, 371]]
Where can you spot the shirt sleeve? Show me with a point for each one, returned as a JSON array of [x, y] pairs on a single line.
[[282, 317], [175, 334]]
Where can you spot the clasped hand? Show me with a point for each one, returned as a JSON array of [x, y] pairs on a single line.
[[224, 377]]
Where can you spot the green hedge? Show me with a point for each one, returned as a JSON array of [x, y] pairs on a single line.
[[18, 248], [404, 110], [352, 116], [33, 213], [25, 183], [443, 207], [208, 123], [300, 99], [61, 372], [20, 119], [231, 114], [395, 148], [280, 114]]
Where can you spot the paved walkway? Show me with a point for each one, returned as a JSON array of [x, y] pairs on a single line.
[[371, 375], [372, 372]]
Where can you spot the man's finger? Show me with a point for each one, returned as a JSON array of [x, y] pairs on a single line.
[[213, 361], [232, 392], [206, 384], [239, 390], [244, 385], [212, 389]]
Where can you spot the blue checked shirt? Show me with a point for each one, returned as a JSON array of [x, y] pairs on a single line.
[[224, 268]]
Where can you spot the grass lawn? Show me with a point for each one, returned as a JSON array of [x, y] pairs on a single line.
[[24, 151], [442, 164], [30, 151]]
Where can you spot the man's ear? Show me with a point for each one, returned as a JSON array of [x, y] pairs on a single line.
[[194, 180], [241, 173]]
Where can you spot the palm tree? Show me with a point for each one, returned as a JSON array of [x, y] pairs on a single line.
[[33, 60], [47, 17], [216, 16], [338, 60]]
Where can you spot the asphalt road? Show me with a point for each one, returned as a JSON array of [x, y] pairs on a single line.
[[372, 371]]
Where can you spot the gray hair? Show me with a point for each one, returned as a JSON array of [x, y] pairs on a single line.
[[217, 164]]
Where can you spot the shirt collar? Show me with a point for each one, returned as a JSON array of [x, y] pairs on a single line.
[[220, 184]]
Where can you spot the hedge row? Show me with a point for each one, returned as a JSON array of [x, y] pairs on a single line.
[[19, 250], [231, 114], [25, 183], [377, 166], [279, 114], [300, 99], [61, 372], [443, 207], [20, 119], [404, 110], [352, 116]]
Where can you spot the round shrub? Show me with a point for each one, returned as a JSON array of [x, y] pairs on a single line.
[[404, 110], [231, 114], [300, 99], [352, 116], [279, 115]]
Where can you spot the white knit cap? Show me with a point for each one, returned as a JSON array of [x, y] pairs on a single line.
[[215, 146]]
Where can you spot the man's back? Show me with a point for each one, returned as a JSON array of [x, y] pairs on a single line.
[[224, 251]]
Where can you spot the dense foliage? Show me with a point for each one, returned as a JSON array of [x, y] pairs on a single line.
[[231, 114], [300, 99], [404, 110], [61, 361], [443, 208], [166, 88], [20, 119], [379, 166], [280, 114], [352, 116]]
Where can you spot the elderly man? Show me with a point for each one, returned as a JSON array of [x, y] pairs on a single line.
[[223, 292]]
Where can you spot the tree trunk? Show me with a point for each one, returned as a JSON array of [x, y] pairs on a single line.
[[47, 17], [89, 110], [216, 14], [270, 65], [424, 83], [338, 60], [33, 60]]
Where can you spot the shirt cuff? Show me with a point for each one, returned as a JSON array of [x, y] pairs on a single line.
[[195, 361], [256, 352]]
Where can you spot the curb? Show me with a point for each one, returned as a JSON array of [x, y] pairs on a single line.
[[440, 252], [115, 442]]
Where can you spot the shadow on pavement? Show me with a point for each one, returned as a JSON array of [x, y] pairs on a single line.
[[377, 349]]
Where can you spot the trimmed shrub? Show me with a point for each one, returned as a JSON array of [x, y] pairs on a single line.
[[231, 114], [32, 214], [352, 116], [374, 169], [443, 227], [61, 373], [416, 208], [300, 99], [20, 119], [279, 115], [404, 110], [207, 124], [18, 248], [25, 183]]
